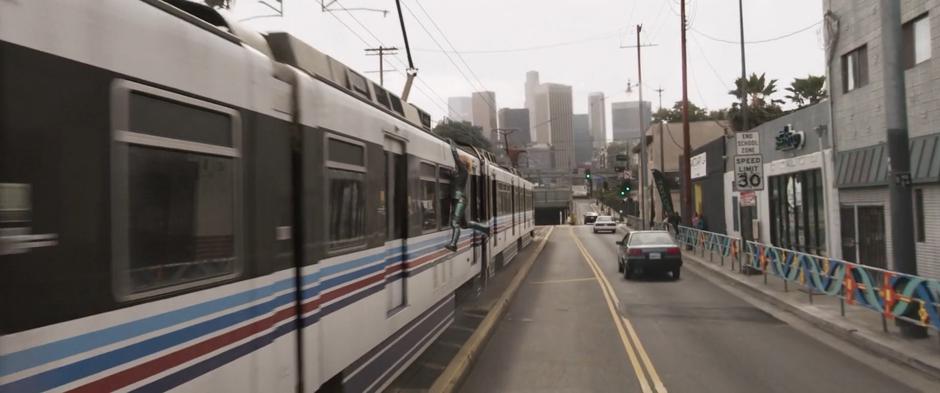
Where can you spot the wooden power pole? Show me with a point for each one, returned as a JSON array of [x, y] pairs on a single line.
[[686, 149], [381, 51]]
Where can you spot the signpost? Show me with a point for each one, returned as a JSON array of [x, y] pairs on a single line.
[[748, 143], [748, 173]]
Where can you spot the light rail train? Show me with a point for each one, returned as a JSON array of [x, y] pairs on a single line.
[[189, 205]]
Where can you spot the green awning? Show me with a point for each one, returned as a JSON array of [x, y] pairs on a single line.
[[868, 166]]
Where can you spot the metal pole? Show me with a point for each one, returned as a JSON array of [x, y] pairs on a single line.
[[381, 66], [686, 149], [643, 160], [899, 160], [743, 68]]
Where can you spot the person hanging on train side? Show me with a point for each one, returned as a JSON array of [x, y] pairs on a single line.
[[458, 197]]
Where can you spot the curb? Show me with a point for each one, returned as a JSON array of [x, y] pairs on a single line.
[[854, 336], [458, 368]]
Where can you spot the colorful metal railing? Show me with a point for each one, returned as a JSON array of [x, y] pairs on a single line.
[[893, 294]]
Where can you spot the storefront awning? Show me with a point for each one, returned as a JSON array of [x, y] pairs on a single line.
[[868, 166]]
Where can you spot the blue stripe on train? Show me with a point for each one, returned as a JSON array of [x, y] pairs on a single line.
[[28, 358]]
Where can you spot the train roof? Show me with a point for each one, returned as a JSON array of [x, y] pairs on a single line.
[[287, 49]]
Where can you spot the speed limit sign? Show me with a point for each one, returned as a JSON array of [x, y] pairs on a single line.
[[748, 173]]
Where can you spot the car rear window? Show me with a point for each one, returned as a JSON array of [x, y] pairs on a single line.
[[650, 238], [604, 218]]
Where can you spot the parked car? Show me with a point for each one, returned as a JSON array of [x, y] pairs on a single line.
[[590, 217], [605, 224], [648, 252]]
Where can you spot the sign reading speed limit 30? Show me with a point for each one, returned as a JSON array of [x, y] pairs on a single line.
[[748, 173]]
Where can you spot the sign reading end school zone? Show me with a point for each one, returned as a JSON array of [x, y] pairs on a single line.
[[747, 143], [748, 173]]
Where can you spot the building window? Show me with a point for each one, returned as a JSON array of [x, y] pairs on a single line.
[[855, 69], [428, 197], [178, 211], [919, 214], [346, 193], [916, 35], [796, 207]]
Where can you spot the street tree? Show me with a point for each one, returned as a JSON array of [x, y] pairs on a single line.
[[761, 106], [463, 133], [807, 91], [696, 113]]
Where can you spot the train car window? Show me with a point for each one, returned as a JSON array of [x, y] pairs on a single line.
[[396, 104], [381, 95], [357, 83], [161, 117], [445, 196], [428, 197], [175, 188], [347, 153], [346, 197]]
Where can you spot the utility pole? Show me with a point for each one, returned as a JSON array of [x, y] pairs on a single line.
[[661, 168], [743, 69], [381, 51], [686, 149], [643, 160], [899, 160]]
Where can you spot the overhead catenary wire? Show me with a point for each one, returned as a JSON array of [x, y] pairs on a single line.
[[396, 57], [486, 99], [366, 42]]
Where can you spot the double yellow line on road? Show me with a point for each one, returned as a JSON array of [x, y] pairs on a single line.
[[631, 342]]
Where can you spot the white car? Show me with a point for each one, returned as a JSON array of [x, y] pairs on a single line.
[[605, 224]]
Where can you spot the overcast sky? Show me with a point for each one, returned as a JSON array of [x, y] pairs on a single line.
[[570, 42]]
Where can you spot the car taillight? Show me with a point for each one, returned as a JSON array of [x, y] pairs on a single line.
[[635, 252], [673, 251]]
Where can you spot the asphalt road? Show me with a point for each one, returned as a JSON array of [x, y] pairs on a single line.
[[560, 335]]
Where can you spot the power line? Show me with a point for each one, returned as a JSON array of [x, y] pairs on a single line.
[[366, 42], [709, 63], [459, 56], [396, 57], [780, 37], [486, 99], [525, 49]]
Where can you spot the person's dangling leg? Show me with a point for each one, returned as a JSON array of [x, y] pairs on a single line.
[[455, 223], [484, 229]]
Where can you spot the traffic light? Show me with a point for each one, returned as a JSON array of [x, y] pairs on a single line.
[[587, 174], [625, 188]]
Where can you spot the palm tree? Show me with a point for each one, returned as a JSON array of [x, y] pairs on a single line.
[[807, 91], [758, 90], [761, 106]]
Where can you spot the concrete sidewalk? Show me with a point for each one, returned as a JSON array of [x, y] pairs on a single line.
[[858, 325]]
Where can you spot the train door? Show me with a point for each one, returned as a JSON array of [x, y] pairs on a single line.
[[481, 214], [394, 198]]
